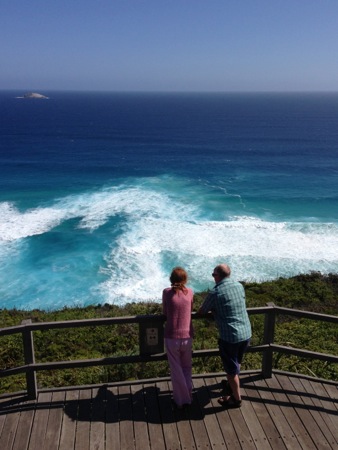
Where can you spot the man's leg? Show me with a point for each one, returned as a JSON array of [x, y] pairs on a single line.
[[231, 366], [235, 386]]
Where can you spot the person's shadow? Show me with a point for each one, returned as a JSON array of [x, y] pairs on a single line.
[[149, 404], [129, 402]]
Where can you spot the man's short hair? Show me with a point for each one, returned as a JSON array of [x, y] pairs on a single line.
[[223, 270]]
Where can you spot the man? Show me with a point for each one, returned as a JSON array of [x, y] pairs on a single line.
[[227, 302]]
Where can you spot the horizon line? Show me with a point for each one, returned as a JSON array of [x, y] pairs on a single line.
[[136, 91]]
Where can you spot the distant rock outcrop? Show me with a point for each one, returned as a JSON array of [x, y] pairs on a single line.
[[33, 95]]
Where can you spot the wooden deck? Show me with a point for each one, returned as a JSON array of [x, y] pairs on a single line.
[[284, 412]]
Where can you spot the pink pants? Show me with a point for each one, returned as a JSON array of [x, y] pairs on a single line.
[[179, 353]]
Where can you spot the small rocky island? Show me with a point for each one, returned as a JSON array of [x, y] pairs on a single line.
[[33, 95]]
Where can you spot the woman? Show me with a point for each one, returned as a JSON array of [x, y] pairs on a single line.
[[177, 302]]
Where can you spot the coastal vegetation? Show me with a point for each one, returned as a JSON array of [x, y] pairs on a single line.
[[312, 292]]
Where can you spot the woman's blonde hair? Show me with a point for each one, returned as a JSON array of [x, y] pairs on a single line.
[[178, 279]]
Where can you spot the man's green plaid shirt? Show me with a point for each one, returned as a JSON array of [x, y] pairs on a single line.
[[227, 302]]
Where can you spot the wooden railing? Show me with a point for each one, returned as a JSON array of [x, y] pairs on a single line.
[[151, 342]]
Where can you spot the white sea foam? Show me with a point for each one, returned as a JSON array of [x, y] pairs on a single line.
[[158, 230], [92, 209], [257, 250], [16, 225]]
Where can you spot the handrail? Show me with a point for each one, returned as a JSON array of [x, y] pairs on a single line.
[[267, 348], [158, 317], [81, 323]]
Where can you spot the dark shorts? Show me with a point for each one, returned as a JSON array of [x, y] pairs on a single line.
[[232, 355]]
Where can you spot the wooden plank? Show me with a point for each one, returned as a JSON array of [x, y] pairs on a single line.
[[262, 413], [229, 433], [11, 414], [257, 432], [277, 415], [82, 433], [155, 430], [196, 416], [3, 404], [329, 393], [112, 419], [67, 437], [295, 398], [97, 424], [184, 429], [332, 392], [170, 431], [322, 417], [329, 405], [9, 429], [25, 425], [236, 418], [222, 415], [140, 419], [55, 417], [127, 437], [317, 426], [182, 417], [40, 421], [300, 432], [207, 398]]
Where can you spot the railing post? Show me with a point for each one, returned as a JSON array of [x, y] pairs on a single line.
[[268, 339], [28, 348]]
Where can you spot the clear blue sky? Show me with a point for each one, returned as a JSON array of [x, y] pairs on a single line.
[[169, 45]]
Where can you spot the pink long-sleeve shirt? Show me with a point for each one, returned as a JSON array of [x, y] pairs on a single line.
[[177, 307]]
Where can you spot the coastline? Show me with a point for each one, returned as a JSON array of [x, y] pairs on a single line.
[[315, 291]]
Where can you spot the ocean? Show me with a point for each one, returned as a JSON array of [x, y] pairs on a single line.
[[102, 194]]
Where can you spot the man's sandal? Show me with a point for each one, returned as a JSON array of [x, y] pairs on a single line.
[[229, 402]]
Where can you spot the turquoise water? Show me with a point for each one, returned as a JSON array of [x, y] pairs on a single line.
[[102, 194]]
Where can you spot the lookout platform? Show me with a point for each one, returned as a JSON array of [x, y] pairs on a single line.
[[287, 411]]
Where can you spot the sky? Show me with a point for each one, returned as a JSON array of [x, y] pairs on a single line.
[[169, 45]]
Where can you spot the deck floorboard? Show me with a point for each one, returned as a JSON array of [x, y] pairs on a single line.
[[287, 411]]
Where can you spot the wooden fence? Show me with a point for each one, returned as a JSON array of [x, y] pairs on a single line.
[[151, 342]]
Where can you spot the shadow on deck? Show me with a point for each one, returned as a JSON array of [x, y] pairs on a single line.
[[286, 411]]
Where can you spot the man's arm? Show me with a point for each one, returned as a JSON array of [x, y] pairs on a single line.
[[207, 305]]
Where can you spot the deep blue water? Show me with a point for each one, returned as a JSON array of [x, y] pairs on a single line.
[[103, 193]]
